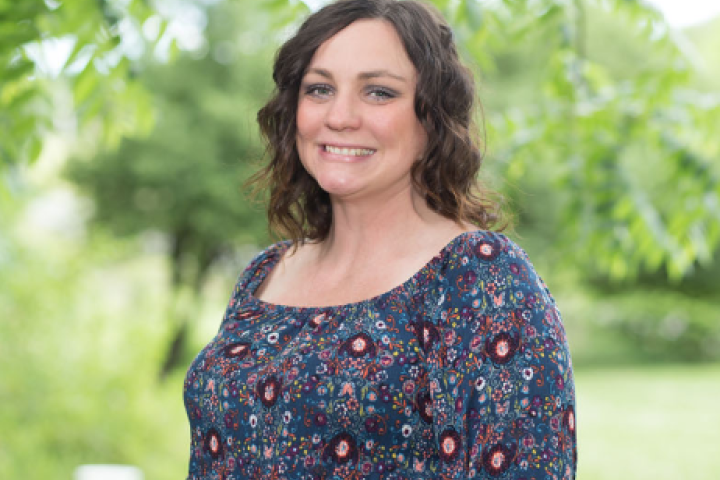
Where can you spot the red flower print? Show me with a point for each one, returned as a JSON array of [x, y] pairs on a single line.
[[424, 406], [317, 320], [213, 443], [555, 423], [469, 277], [409, 387], [320, 419], [244, 315], [569, 419], [498, 459], [342, 448], [450, 445], [476, 343], [502, 347], [371, 424], [488, 249], [450, 336], [458, 405], [359, 345], [386, 360], [237, 350], [268, 390], [427, 334]]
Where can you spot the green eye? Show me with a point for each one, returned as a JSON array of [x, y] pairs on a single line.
[[381, 93], [318, 90]]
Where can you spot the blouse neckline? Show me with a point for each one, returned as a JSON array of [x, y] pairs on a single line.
[[269, 260]]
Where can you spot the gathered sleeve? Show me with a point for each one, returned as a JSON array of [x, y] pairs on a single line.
[[501, 376]]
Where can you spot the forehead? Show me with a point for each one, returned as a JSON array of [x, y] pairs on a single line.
[[364, 45]]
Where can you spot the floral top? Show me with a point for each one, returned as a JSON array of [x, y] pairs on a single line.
[[461, 372]]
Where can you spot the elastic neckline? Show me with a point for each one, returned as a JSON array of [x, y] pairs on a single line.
[[276, 252]]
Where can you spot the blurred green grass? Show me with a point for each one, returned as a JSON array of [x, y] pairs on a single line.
[[649, 423]]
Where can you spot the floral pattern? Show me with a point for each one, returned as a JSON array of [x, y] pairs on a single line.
[[461, 372]]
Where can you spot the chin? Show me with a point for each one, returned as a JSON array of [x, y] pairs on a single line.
[[338, 186]]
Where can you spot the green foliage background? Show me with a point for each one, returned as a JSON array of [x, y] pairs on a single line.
[[124, 223]]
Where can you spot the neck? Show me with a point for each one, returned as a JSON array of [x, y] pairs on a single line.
[[368, 230]]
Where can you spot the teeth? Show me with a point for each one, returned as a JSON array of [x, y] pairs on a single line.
[[357, 152]]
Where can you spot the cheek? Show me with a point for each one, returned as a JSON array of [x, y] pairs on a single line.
[[421, 138], [402, 130], [306, 120], [307, 127]]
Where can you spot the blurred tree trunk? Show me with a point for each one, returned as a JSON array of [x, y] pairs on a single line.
[[190, 267]]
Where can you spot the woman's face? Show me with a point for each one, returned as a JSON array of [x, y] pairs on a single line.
[[357, 132]]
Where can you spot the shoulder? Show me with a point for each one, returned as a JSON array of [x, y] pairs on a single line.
[[488, 271], [488, 254], [262, 260], [495, 302], [488, 247]]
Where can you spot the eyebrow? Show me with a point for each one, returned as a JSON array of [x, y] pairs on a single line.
[[363, 76]]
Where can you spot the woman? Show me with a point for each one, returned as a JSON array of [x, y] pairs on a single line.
[[388, 337]]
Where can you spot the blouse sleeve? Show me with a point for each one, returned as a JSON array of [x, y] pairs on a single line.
[[501, 382]]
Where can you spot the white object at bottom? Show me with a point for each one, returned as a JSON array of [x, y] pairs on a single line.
[[108, 472]]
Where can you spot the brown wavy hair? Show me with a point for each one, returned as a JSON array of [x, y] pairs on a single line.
[[446, 175]]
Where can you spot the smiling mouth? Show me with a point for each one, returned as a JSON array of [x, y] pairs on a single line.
[[352, 152]]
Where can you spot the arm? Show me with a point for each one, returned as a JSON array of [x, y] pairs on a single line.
[[503, 388]]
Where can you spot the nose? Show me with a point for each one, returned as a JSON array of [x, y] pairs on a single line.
[[343, 113]]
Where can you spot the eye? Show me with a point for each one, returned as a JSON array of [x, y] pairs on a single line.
[[381, 93], [319, 90]]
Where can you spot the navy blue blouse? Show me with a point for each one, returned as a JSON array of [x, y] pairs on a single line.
[[461, 372]]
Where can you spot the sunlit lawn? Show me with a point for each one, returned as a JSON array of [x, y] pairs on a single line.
[[656, 423]]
